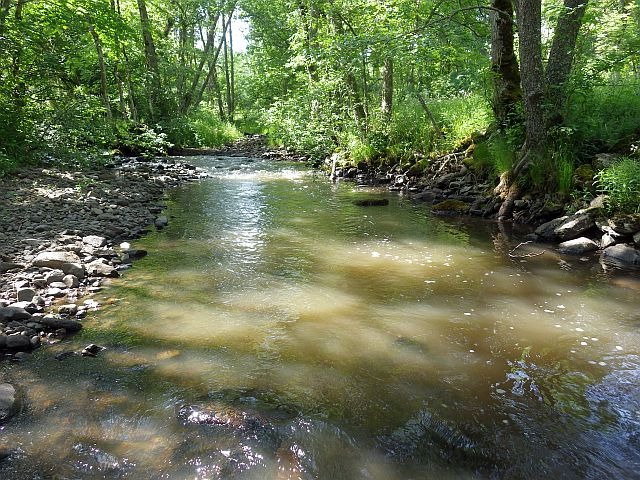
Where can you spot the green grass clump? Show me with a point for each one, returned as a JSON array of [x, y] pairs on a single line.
[[621, 183], [203, 128]]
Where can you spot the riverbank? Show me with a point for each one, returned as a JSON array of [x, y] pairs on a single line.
[[63, 232], [452, 188]]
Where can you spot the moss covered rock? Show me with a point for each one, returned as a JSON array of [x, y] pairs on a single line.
[[451, 207]]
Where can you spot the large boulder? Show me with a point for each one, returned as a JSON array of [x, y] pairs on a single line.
[[55, 259], [75, 269], [621, 256], [578, 246], [7, 401], [546, 231], [574, 226]]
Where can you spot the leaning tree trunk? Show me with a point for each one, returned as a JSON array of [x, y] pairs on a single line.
[[507, 92], [529, 14], [103, 72], [561, 58]]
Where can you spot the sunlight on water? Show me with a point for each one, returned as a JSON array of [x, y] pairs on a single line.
[[278, 331]]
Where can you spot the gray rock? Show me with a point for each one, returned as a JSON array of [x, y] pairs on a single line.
[[8, 405], [18, 342], [54, 276], [161, 222], [574, 226], [30, 307], [94, 241], [71, 281], [55, 259], [622, 256], [26, 294], [546, 231], [636, 238], [625, 224], [7, 266], [98, 268], [69, 309], [578, 246], [75, 269], [8, 314], [3, 341], [136, 253], [607, 240], [55, 292], [56, 322]]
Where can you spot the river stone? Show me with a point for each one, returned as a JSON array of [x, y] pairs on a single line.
[[161, 222], [26, 294], [75, 269], [54, 276], [99, 269], [6, 266], [622, 256], [574, 226], [7, 401], [94, 241], [578, 246], [71, 281], [69, 309], [18, 342], [547, 230], [136, 253], [55, 259], [607, 240], [636, 238], [56, 322], [8, 314], [625, 224]]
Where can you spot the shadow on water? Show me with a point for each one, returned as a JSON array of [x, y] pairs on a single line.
[[278, 330]]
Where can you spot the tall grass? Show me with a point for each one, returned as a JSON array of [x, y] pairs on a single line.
[[603, 116], [621, 183]]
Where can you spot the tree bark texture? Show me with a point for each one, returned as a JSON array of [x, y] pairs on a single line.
[[387, 88], [504, 64], [561, 58]]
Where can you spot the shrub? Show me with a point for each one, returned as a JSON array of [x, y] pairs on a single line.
[[140, 139], [621, 183]]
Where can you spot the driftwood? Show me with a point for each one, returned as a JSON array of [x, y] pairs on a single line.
[[526, 255]]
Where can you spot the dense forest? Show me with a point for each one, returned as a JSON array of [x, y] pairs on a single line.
[[537, 88]]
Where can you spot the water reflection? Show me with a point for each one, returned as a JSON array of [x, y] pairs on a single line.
[[280, 331]]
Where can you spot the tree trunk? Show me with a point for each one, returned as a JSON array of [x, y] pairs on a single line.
[[529, 14], [232, 72], [227, 76], [156, 103], [561, 58], [103, 73], [507, 92], [387, 88]]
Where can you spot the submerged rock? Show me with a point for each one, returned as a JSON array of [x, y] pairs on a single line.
[[451, 207], [372, 202]]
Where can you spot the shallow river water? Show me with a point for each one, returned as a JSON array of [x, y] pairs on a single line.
[[279, 331]]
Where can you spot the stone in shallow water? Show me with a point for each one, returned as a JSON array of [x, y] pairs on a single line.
[[98, 268], [55, 322], [7, 401], [622, 256], [578, 246]]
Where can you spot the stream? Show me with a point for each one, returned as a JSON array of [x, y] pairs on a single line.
[[279, 331]]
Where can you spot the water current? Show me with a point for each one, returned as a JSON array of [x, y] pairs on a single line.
[[279, 331]]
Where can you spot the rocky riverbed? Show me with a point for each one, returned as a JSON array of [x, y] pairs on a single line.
[[62, 233]]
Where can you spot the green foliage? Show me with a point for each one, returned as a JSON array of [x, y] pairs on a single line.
[[460, 117], [203, 128], [142, 140], [604, 116], [496, 155], [621, 183]]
